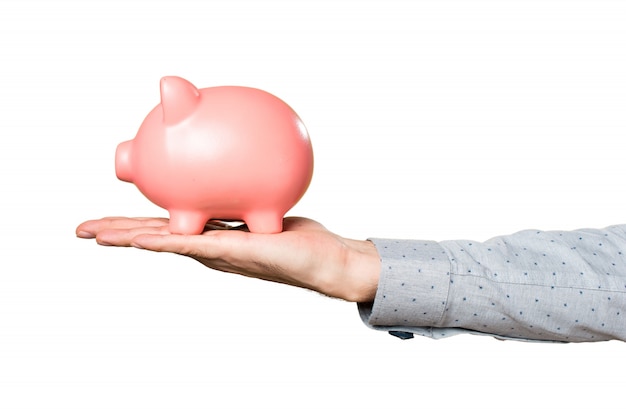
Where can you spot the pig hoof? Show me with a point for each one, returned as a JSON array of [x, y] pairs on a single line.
[[264, 223], [187, 222]]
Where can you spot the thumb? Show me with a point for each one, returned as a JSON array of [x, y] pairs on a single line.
[[207, 246]]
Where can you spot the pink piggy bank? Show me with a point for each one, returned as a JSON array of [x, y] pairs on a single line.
[[230, 153]]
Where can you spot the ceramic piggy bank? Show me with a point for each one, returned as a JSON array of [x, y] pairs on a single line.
[[230, 153]]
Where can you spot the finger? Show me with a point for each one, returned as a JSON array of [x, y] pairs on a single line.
[[195, 245], [91, 228], [301, 223], [124, 237]]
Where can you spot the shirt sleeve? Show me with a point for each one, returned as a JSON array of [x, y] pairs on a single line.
[[567, 286]]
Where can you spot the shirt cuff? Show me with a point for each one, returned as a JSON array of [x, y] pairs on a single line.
[[413, 287]]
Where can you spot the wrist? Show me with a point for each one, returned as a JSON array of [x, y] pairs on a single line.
[[362, 271]]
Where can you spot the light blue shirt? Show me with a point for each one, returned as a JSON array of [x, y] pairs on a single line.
[[532, 285]]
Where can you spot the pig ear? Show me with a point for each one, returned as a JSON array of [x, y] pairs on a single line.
[[179, 98]]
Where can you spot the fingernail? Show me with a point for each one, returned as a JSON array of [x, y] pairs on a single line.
[[84, 235]]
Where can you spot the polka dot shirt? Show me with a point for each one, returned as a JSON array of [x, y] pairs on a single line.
[[532, 285]]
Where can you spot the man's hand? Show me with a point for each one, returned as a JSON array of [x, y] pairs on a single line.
[[305, 254]]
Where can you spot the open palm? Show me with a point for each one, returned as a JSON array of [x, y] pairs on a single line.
[[304, 254]]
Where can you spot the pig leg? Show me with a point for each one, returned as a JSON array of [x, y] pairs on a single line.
[[187, 221], [264, 222]]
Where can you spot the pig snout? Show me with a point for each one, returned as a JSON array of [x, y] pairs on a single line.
[[123, 168]]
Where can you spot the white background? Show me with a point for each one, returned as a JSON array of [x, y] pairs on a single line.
[[429, 119]]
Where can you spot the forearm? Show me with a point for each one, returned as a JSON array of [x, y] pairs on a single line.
[[559, 286]]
